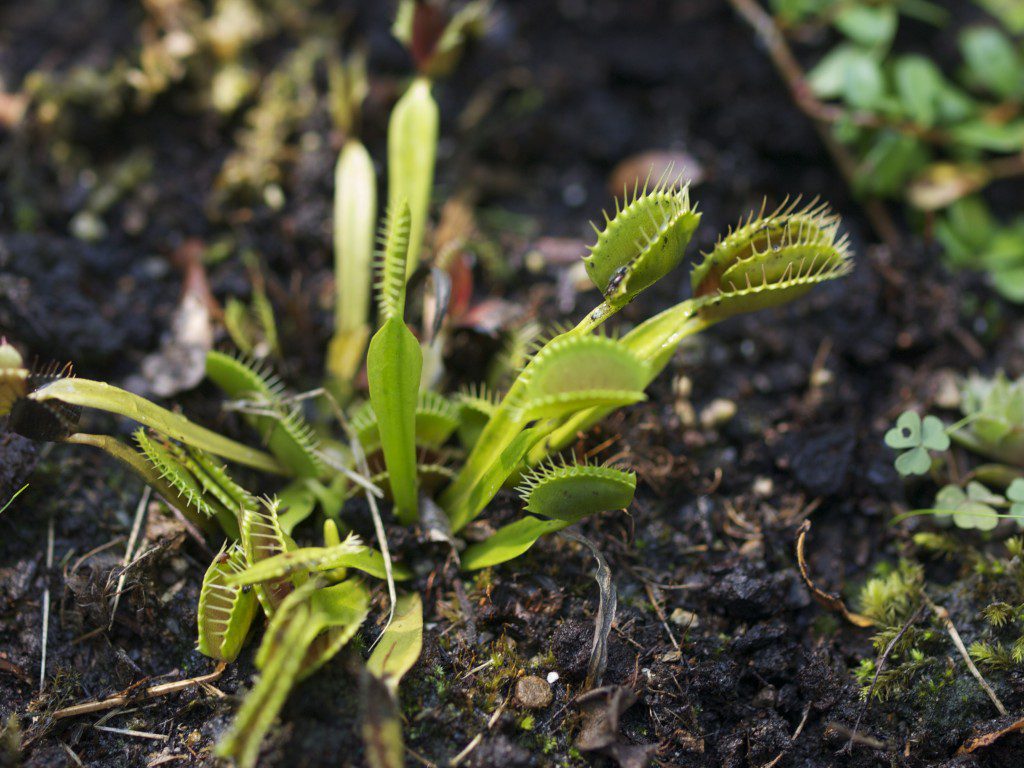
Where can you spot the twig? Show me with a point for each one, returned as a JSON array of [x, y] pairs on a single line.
[[943, 616], [135, 734], [878, 670], [46, 605], [140, 514], [457, 760], [660, 613], [796, 81], [830, 601], [100, 705]]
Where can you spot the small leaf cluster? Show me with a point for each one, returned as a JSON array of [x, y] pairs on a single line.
[[933, 136]]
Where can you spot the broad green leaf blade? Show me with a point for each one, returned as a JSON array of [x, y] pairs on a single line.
[[338, 610], [573, 373], [399, 647], [393, 363], [480, 486], [508, 542], [104, 397], [225, 611], [412, 146]]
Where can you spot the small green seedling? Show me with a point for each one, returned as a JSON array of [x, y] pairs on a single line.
[[915, 437]]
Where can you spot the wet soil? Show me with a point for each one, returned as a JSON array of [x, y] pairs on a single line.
[[731, 662]]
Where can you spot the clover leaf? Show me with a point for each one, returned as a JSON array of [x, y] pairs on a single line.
[[971, 509], [1015, 493], [915, 438]]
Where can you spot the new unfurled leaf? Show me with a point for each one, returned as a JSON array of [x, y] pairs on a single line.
[[412, 146], [394, 363], [355, 220]]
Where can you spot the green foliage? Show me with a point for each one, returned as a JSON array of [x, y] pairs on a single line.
[[644, 241], [562, 493], [970, 508], [394, 363], [285, 431], [916, 437], [932, 136], [889, 598], [994, 418], [399, 647], [412, 147]]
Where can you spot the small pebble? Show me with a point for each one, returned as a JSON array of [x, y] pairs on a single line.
[[685, 618], [533, 692], [717, 412], [763, 487], [552, 677]]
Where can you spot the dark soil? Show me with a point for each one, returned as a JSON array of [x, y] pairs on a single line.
[[731, 662]]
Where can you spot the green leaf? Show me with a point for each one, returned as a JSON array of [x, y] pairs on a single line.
[[851, 73], [916, 461], [933, 434], [919, 85], [284, 645], [399, 647], [906, 433], [104, 397], [869, 25], [889, 164], [412, 146], [355, 219], [993, 137], [992, 61], [393, 364], [349, 554], [508, 542]]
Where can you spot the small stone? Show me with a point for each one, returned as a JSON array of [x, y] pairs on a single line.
[[533, 692], [718, 412], [552, 677], [685, 618], [947, 390], [763, 487]]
